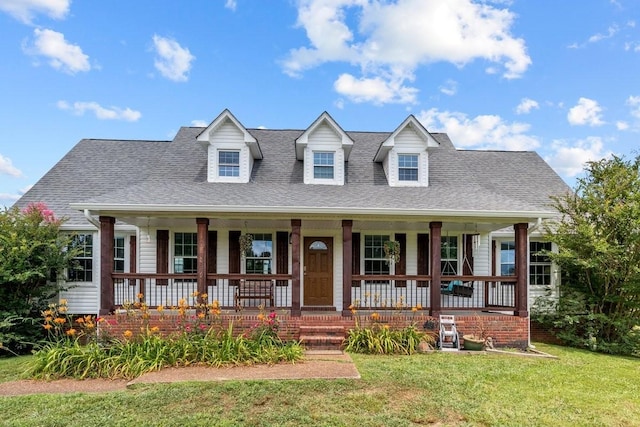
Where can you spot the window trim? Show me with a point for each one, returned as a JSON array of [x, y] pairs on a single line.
[[381, 259], [259, 237], [88, 259], [194, 256], [322, 166], [232, 166], [453, 262], [409, 168], [115, 253], [540, 263]]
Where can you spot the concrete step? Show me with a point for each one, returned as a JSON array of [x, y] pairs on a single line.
[[322, 342]]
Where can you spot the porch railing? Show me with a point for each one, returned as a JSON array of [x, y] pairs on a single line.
[[382, 292], [168, 289]]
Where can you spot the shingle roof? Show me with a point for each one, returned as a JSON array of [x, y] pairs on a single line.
[[109, 172]]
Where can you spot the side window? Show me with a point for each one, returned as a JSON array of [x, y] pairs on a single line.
[[374, 259], [259, 260], [118, 254], [82, 268], [539, 264], [185, 253], [507, 258]]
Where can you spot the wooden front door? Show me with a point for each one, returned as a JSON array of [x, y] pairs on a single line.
[[318, 271]]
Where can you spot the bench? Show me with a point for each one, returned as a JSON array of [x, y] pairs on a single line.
[[255, 289], [457, 288]]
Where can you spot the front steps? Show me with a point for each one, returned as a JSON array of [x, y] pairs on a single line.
[[322, 337]]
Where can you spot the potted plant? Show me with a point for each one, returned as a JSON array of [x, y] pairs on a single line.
[[246, 244], [392, 251], [476, 340]]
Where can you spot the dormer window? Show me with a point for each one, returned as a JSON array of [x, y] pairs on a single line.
[[407, 167], [229, 163], [323, 165]]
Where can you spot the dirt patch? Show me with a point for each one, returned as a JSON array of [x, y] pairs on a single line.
[[322, 365]]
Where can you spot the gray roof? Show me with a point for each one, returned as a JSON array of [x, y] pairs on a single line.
[[174, 173]]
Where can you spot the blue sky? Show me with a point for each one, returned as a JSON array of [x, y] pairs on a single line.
[[557, 77]]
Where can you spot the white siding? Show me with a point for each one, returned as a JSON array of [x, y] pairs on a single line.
[[82, 298], [407, 142], [228, 137], [147, 251]]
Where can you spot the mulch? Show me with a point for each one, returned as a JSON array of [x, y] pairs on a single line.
[[320, 365]]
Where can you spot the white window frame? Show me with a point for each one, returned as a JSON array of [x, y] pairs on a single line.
[[453, 262], [85, 258], [252, 258], [535, 263], [416, 168], [376, 257], [233, 166], [179, 268], [324, 166], [119, 256]]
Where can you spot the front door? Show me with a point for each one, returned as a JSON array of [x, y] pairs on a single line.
[[318, 271]]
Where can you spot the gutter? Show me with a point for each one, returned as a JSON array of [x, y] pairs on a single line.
[[92, 220]]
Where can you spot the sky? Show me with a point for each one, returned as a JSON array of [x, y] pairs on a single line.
[[561, 78]]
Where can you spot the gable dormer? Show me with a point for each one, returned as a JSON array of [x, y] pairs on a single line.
[[405, 155], [231, 149], [324, 148]]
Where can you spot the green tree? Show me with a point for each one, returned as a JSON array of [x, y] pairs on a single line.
[[598, 238], [33, 255]]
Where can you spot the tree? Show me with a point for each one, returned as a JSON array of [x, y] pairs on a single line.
[[33, 255], [598, 238]]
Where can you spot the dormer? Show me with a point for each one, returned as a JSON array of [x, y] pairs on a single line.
[[231, 149], [405, 155], [324, 148]]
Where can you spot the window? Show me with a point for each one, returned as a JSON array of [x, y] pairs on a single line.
[[185, 253], [407, 167], [374, 259], [449, 255], [229, 163], [539, 264], [82, 268], [118, 254], [323, 165], [507, 258], [259, 259]]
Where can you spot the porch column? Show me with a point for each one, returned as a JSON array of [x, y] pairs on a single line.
[[522, 269], [106, 264], [435, 232], [347, 265], [203, 250], [295, 267]]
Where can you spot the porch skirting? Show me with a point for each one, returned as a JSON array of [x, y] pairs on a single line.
[[505, 330]]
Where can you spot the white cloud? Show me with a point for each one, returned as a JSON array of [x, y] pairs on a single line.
[[231, 4], [481, 132], [61, 54], [570, 160], [622, 125], [102, 113], [7, 168], [199, 123], [526, 105], [634, 103], [449, 88], [24, 10], [611, 31], [390, 40], [375, 90], [586, 112], [173, 61]]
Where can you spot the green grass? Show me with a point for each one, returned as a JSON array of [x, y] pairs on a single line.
[[13, 368], [580, 388]]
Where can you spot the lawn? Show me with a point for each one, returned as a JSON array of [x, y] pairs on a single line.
[[579, 388]]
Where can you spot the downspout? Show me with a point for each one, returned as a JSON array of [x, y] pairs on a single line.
[[89, 218], [531, 230]]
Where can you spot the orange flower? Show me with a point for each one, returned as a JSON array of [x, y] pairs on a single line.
[[160, 308], [47, 326], [127, 334], [59, 320], [414, 309], [419, 306], [71, 332], [155, 329], [375, 316], [140, 295], [204, 296], [80, 320], [201, 315]]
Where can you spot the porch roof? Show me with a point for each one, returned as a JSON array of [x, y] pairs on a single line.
[[107, 176]]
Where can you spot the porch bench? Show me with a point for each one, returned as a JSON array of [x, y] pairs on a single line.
[[457, 288], [255, 289]]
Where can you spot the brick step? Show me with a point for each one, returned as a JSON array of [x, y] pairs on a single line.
[[322, 330], [322, 342]]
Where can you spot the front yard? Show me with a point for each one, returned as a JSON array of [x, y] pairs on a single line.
[[580, 388]]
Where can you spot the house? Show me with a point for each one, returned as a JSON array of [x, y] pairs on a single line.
[[165, 218]]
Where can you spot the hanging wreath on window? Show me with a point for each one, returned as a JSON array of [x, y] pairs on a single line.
[[246, 244], [392, 251]]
